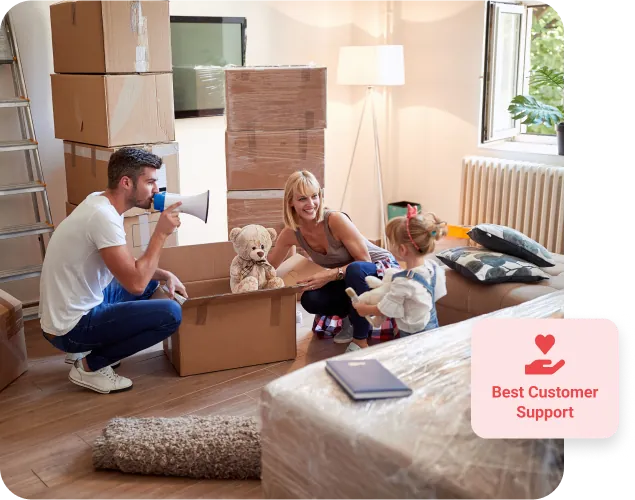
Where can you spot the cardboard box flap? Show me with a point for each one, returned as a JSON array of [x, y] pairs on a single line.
[[229, 297], [297, 268], [198, 262]]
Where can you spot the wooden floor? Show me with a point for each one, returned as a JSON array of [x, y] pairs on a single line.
[[47, 424]]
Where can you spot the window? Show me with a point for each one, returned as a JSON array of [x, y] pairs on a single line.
[[523, 90]]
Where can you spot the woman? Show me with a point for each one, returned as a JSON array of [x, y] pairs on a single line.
[[333, 242]]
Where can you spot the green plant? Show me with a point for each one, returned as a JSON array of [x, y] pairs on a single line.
[[531, 110]]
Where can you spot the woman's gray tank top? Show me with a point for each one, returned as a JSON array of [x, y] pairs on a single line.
[[336, 253]]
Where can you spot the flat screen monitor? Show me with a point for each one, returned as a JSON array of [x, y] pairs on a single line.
[[201, 47]]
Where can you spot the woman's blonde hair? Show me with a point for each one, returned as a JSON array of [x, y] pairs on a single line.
[[302, 182], [425, 230]]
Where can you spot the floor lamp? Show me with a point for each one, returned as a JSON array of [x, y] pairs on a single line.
[[371, 66]]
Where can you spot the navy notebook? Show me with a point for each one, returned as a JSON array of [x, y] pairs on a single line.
[[367, 379]]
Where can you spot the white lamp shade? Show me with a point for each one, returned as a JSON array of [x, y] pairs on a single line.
[[371, 65]]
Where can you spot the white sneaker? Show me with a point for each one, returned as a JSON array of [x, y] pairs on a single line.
[[352, 347], [103, 381], [346, 333], [71, 357]]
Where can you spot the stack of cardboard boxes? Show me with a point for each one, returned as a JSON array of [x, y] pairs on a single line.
[[275, 124], [112, 87]]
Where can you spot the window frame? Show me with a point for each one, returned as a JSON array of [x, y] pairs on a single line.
[[523, 66]]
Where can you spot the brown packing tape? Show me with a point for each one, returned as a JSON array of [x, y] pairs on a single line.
[[201, 314], [251, 146], [93, 162], [309, 118], [276, 309], [14, 319], [304, 143]]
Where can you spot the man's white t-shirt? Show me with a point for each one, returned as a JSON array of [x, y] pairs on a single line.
[[74, 274]]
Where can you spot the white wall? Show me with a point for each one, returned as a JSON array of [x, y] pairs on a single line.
[[436, 113]]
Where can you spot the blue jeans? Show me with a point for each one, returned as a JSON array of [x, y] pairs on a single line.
[[122, 325], [331, 299]]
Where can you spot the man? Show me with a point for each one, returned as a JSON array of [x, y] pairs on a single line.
[[93, 293]]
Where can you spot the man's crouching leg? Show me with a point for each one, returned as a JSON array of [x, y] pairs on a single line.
[[132, 327]]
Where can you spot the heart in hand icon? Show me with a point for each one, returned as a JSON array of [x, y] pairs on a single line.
[[545, 342]]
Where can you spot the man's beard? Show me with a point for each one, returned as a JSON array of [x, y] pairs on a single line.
[[144, 204]]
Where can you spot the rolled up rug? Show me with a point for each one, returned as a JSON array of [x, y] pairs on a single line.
[[217, 447]]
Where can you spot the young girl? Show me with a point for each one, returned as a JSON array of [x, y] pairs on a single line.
[[414, 291]]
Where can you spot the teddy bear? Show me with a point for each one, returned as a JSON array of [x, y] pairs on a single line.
[[378, 289], [250, 270]]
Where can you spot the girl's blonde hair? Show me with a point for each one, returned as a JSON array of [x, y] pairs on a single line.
[[425, 230], [302, 182]]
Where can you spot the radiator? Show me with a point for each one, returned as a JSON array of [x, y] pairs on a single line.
[[528, 197]]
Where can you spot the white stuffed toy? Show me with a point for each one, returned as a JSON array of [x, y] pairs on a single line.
[[378, 289]]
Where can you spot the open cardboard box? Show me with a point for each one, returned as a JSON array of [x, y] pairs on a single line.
[[221, 330]]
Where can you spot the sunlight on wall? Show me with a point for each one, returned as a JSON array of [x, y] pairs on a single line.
[[432, 11]]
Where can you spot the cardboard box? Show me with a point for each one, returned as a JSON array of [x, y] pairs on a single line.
[[13, 358], [265, 160], [275, 98], [111, 37], [87, 168], [221, 330], [113, 110], [255, 207], [139, 225]]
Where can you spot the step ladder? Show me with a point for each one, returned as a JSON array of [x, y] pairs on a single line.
[[36, 187]]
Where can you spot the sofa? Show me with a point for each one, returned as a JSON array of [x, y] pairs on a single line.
[[467, 299]]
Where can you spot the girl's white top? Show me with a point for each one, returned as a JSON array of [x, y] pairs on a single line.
[[408, 301]]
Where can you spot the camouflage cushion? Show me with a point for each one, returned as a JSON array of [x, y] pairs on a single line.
[[486, 266], [511, 242]]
